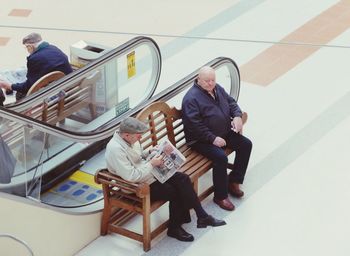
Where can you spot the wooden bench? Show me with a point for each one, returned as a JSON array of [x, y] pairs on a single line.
[[68, 101], [58, 107], [123, 200]]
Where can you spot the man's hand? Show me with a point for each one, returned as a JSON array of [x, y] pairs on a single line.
[[219, 142], [237, 124], [5, 85], [156, 161]]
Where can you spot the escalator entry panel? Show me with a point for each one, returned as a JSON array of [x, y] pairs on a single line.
[[79, 189]]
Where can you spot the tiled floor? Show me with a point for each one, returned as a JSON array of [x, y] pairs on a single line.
[[294, 58]]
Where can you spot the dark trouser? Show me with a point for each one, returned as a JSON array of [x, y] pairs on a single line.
[[242, 146], [20, 95], [178, 190]]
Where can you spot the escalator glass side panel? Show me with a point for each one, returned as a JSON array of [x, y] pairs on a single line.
[[40, 149], [103, 127], [227, 75], [36, 153], [107, 87]]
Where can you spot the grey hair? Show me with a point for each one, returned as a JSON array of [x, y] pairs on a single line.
[[32, 38]]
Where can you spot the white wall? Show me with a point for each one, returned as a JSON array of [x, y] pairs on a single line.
[[46, 231]]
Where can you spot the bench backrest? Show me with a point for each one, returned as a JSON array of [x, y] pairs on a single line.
[[45, 80], [68, 101], [71, 100], [164, 122], [58, 107]]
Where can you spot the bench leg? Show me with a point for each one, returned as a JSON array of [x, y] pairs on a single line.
[[106, 214], [93, 111], [62, 122], [195, 186], [146, 223]]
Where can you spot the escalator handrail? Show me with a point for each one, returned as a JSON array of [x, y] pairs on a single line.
[[56, 86], [106, 131]]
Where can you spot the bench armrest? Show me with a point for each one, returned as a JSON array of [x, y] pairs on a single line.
[[113, 181]]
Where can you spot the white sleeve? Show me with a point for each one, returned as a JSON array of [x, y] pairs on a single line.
[[119, 162]]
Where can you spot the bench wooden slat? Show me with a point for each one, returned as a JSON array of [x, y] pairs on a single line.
[[70, 101], [67, 103]]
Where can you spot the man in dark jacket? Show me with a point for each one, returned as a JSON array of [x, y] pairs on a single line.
[[43, 58], [212, 121]]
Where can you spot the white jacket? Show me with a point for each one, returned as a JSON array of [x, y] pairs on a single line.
[[126, 160]]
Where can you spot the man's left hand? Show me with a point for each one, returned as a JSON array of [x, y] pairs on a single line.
[[237, 124]]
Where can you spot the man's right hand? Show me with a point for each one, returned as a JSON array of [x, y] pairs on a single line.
[[156, 161], [219, 142]]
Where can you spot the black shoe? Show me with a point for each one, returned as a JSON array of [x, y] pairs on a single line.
[[209, 221], [180, 234]]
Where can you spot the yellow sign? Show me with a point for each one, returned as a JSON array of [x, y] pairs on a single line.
[[131, 64]]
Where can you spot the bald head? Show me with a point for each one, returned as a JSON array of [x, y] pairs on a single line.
[[204, 71], [206, 78]]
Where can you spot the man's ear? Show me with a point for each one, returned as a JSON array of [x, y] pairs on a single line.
[[31, 48]]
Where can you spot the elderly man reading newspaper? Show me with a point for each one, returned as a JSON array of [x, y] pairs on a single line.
[[125, 158]]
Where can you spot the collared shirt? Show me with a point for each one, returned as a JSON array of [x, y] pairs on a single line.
[[213, 94]]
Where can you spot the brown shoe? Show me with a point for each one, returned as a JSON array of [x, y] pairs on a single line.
[[234, 190], [225, 204]]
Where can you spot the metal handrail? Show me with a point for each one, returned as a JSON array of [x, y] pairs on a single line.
[[106, 131], [20, 241], [66, 81]]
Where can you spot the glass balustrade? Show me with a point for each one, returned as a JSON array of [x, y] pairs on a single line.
[[108, 86], [46, 154]]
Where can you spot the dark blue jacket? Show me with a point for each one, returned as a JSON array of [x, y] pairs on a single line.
[[45, 59], [205, 118]]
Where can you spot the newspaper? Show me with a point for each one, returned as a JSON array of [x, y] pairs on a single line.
[[55, 98], [18, 75], [173, 160]]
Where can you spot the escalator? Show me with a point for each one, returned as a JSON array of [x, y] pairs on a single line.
[[56, 164], [106, 79], [114, 75]]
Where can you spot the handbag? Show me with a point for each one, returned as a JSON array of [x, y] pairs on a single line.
[[7, 162]]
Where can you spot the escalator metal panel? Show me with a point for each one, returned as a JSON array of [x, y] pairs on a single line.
[[78, 189]]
